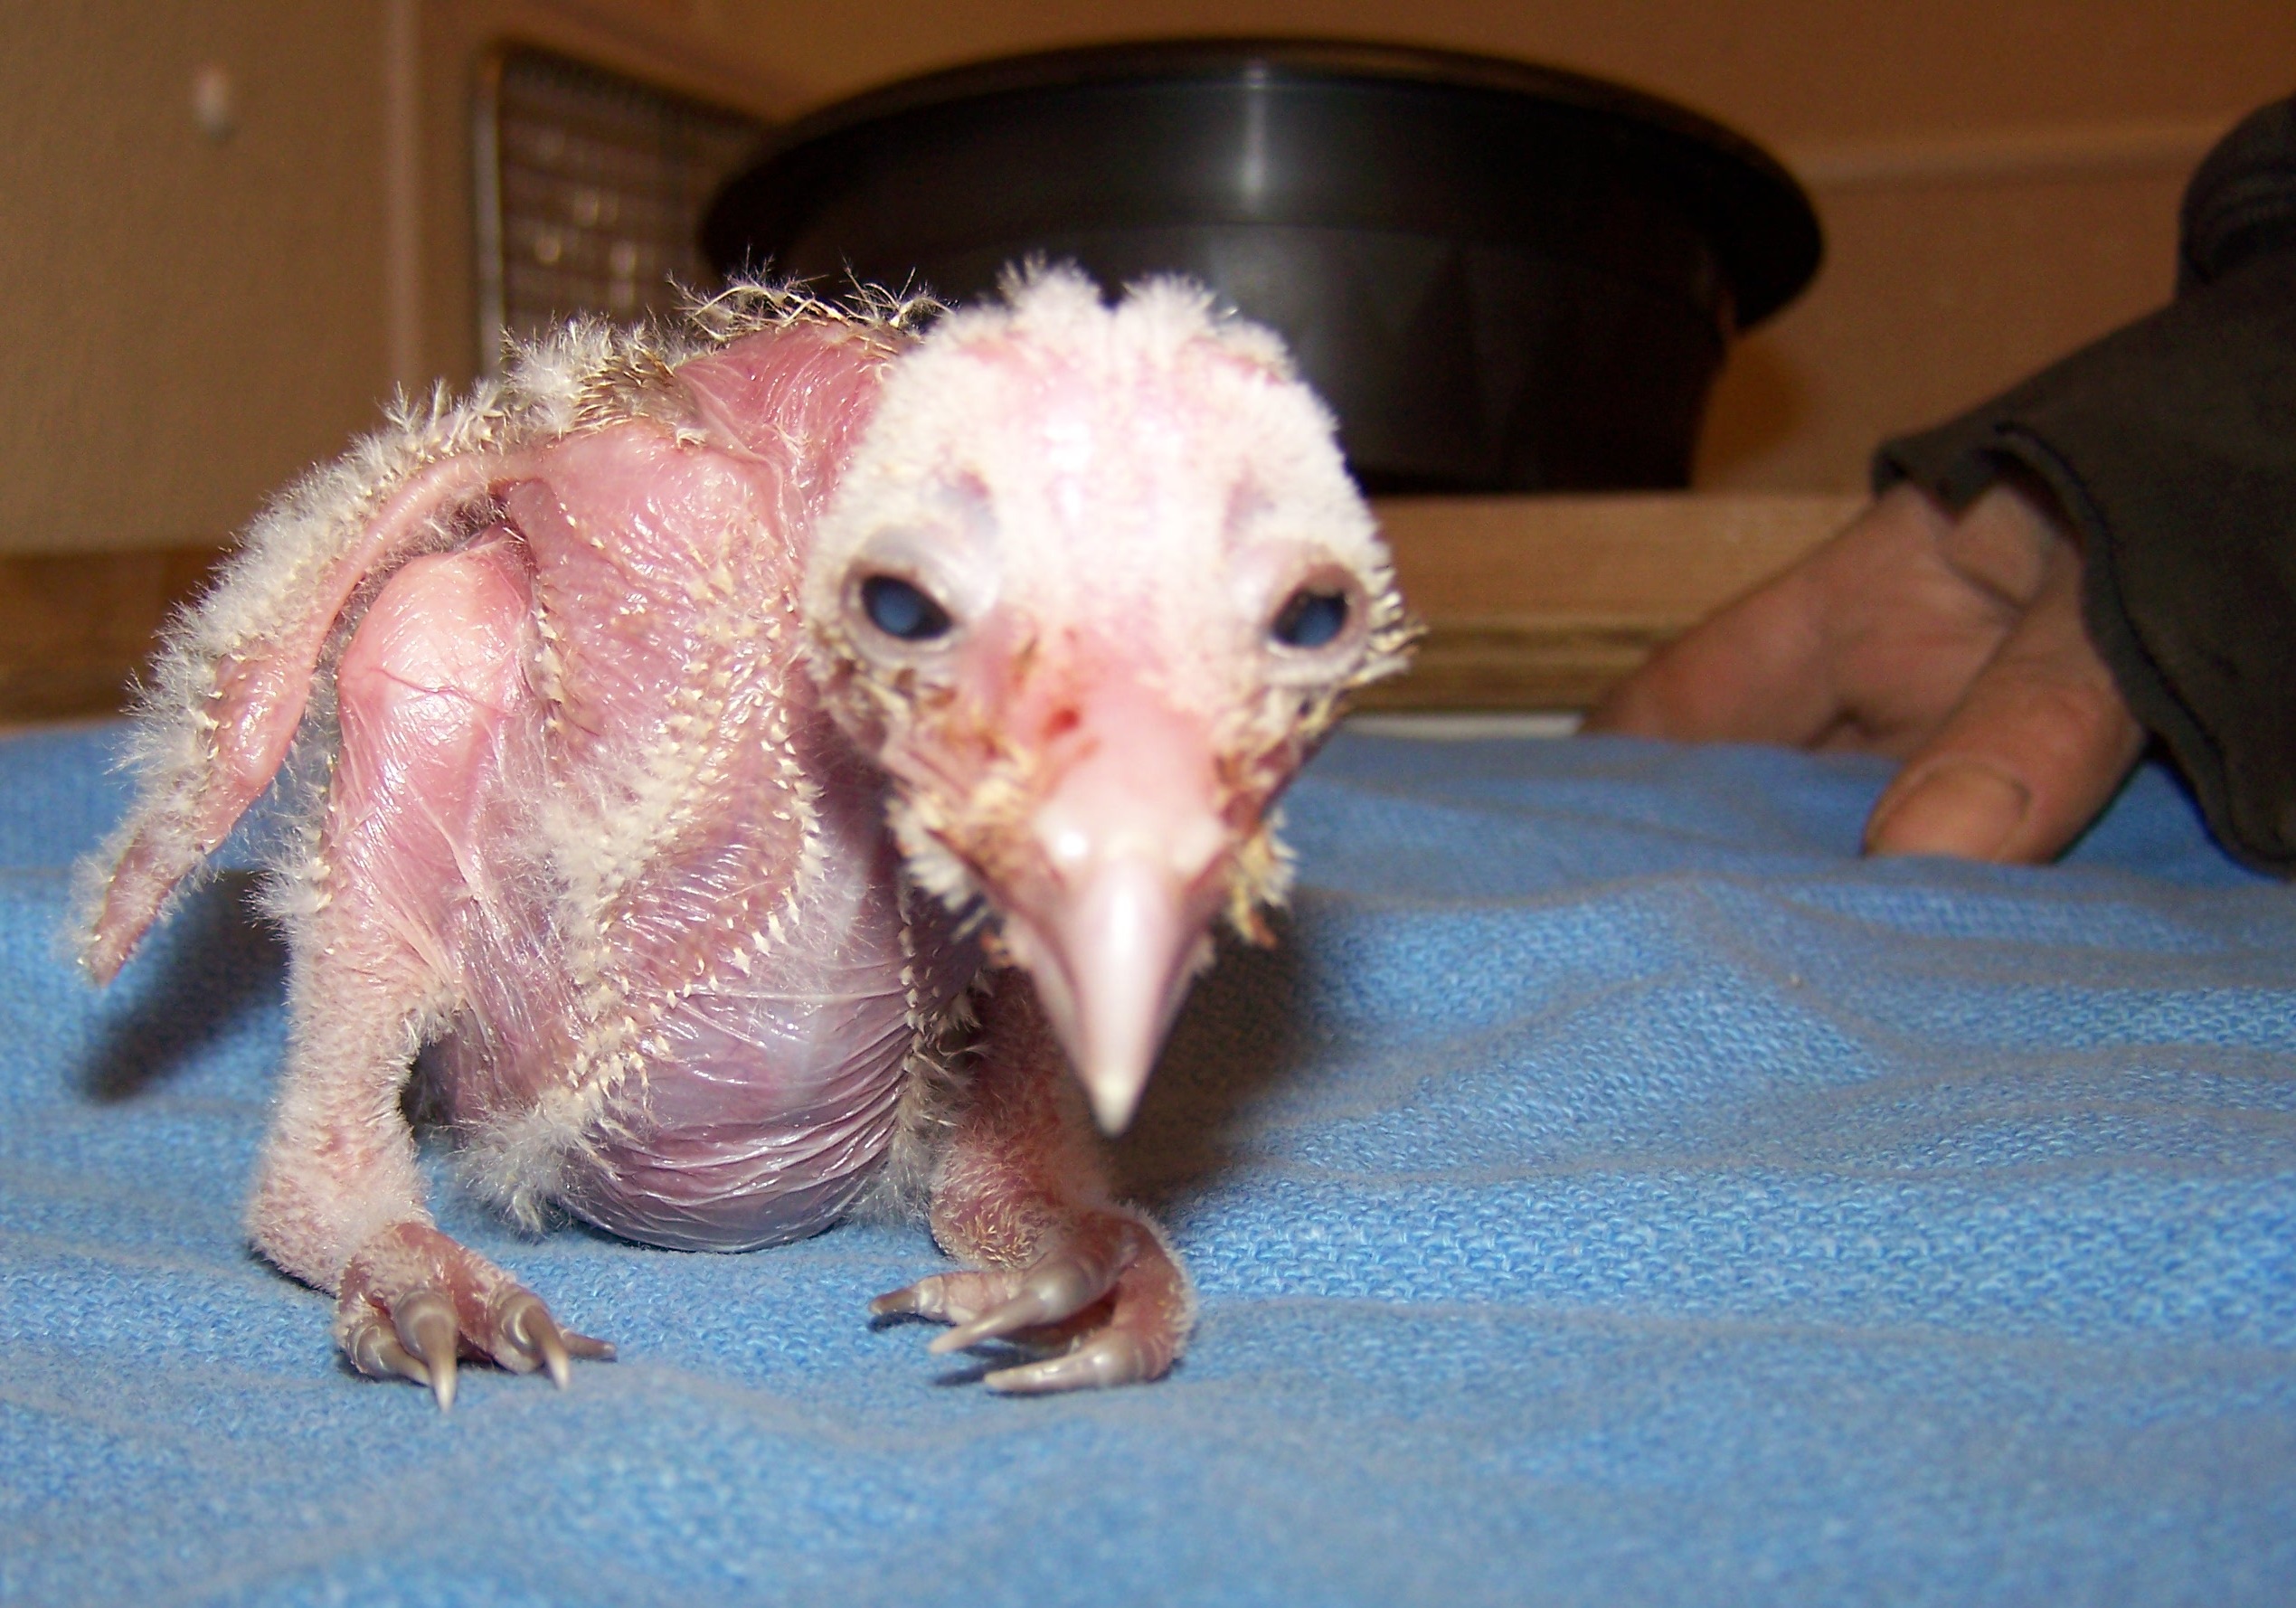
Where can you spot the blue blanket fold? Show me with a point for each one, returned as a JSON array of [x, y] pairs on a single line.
[[1611, 1190]]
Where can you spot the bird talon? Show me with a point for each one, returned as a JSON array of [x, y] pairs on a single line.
[[1108, 1358], [529, 1339], [1058, 1287], [1106, 1306], [426, 1326], [400, 1311], [375, 1352], [946, 1298], [1027, 1309], [908, 1302]]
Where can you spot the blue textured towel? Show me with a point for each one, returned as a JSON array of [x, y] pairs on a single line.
[[1613, 1191]]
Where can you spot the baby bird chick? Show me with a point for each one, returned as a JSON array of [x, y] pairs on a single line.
[[768, 758]]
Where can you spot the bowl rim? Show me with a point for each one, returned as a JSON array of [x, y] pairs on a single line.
[[1763, 228]]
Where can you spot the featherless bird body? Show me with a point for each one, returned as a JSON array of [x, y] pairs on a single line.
[[767, 758]]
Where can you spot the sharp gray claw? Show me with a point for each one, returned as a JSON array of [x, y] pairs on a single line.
[[533, 1339], [1049, 1293], [426, 1326], [932, 1298], [375, 1352], [556, 1358], [908, 1302], [1020, 1312], [1107, 1358]]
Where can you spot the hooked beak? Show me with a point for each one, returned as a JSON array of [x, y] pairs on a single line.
[[1127, 868]]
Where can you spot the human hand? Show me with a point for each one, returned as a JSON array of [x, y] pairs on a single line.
[[1953, 643]]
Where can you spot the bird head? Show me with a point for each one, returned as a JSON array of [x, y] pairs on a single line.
[[1092, 589]]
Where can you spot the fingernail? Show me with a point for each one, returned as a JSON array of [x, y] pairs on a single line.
[[1962, 808]]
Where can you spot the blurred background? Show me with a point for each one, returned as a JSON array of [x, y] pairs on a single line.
[[229, 228]]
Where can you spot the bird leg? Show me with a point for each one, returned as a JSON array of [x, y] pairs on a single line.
[[1022, 1193], [424, 688], [338, 1201]]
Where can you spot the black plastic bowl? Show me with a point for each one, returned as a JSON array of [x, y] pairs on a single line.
[[1501, 277]]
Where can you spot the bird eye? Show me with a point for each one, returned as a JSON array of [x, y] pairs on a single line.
[[902, 610], [1310, 618]]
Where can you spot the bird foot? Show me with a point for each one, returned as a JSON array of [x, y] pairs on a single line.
[[412, 1301], [1107, 1302]]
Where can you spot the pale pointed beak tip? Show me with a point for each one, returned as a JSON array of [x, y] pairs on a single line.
[[1112, 955], [1115, 1102]]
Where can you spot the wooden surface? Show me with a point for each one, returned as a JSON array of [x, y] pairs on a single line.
[[75, 629], [1530, 602], [1542, 603]]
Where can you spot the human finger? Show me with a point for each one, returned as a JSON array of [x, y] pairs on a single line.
[[1750, 672], [2034, 751], [1867, 642]]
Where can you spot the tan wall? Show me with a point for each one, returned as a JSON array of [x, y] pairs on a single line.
[[184, 321], [1952, 271], [188, 319]]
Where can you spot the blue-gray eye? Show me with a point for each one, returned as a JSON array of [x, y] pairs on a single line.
[[1310, 618], [901, 611]]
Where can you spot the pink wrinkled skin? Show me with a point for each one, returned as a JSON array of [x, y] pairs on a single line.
[[619, 796], [768, 1094]]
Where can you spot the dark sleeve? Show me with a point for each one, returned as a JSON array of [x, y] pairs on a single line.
[[2171, 445]]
